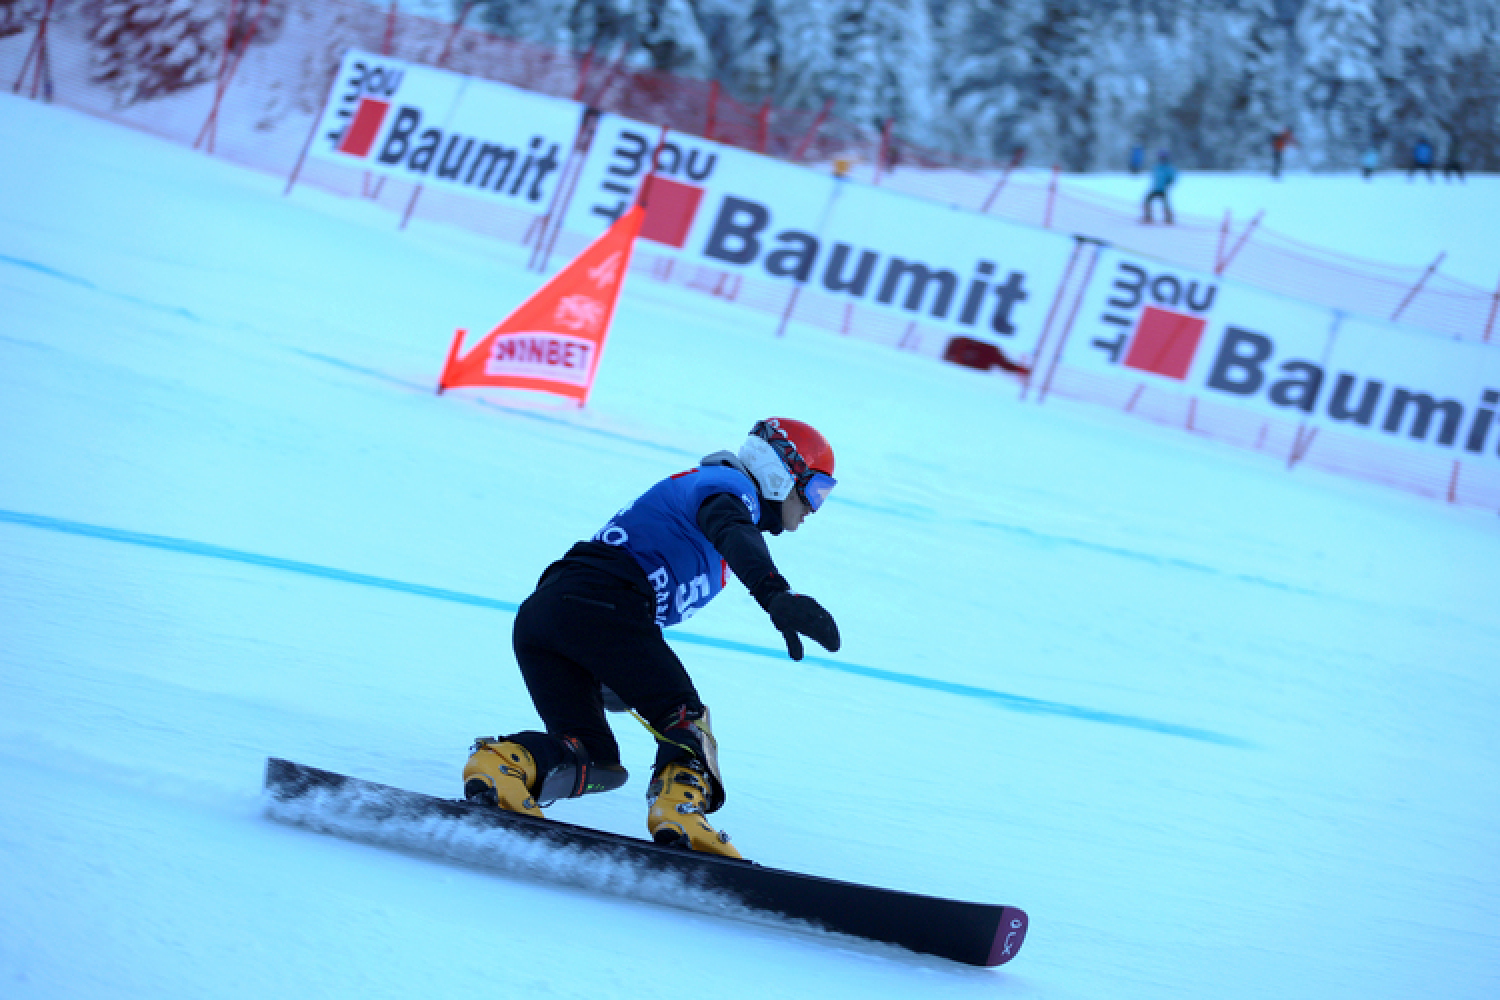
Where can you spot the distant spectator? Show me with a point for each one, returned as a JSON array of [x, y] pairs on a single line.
[[1137, 158], [1369, 162], [1279, 142], [1453, 165], [1162, 176], [1421, 158]]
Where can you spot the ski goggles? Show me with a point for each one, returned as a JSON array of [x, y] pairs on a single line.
[[814, 488]]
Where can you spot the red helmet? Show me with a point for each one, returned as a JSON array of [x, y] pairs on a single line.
[[784, 454]]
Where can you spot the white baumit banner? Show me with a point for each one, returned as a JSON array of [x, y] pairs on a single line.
[[749, 214], [1233, 344], [446, 130]]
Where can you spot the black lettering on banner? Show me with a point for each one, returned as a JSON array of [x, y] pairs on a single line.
[[1369, 398], [1482, 419], [794, 261], [1237, 367], [733, 237], [1302, 392], [490, 156], [921, 276], [1134, 289], [1007, 295], [698, 172], [421, 157], [1173, 286], [1115, 346], [396, 144], [977, 287], [448, 167], [833, 272], [634, 157], [1426, 406]]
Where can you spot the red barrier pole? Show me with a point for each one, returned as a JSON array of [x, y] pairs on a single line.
[[1494, 304], [458, 26], [1223, 238], [226, 77], [1062, 341], [1041, 345], [463, 14], [390, 30], [1051, 195], [562, 195], [43, 66], [206, 132], [1244, 238], [583, 76], [1015, 161], [1417, 288], [808, 138], [713, 109], [386, 44], [765, 125], [333, 79]]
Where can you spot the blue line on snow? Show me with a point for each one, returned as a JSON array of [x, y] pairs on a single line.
[[1002, 699]]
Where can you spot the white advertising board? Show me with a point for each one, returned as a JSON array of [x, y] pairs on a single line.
[[442, 129], [1226, 342], [731, 209]]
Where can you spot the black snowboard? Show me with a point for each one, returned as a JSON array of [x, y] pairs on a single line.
[[972, 933]]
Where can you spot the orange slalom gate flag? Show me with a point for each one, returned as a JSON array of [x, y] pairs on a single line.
[[553, 340]]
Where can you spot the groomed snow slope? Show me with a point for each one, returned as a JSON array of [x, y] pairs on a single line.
[[1222, 730]]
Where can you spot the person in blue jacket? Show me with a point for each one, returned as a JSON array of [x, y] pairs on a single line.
[[590, 637]]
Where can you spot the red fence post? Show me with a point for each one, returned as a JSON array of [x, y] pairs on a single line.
[[1015, 161], [1062, 341], [390, 30], [807, 139], [458, 25], [228, 67], [333, 79], [1244, 238], [583, 76], [1051, 195], [41, 69], [1494, 304], [1417, 288]]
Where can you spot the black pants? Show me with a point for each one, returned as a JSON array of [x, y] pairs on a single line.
[[584, 627], [1166, 206]]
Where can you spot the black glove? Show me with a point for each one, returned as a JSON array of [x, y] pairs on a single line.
[[794, 613]]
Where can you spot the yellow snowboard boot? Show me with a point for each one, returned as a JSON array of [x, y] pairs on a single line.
[[501, 773], [678, 800]]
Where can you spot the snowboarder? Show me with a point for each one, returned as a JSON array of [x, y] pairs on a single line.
[[1162, 176], [1369, 162], [590, 637]]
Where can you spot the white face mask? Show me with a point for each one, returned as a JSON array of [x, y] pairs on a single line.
[[765, 465]]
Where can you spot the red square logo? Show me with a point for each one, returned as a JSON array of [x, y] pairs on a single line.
[[362, 130], [670, 209], [1165, 342]]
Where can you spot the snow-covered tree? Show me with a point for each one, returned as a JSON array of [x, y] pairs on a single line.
[[1076, 82], [147, 48]]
